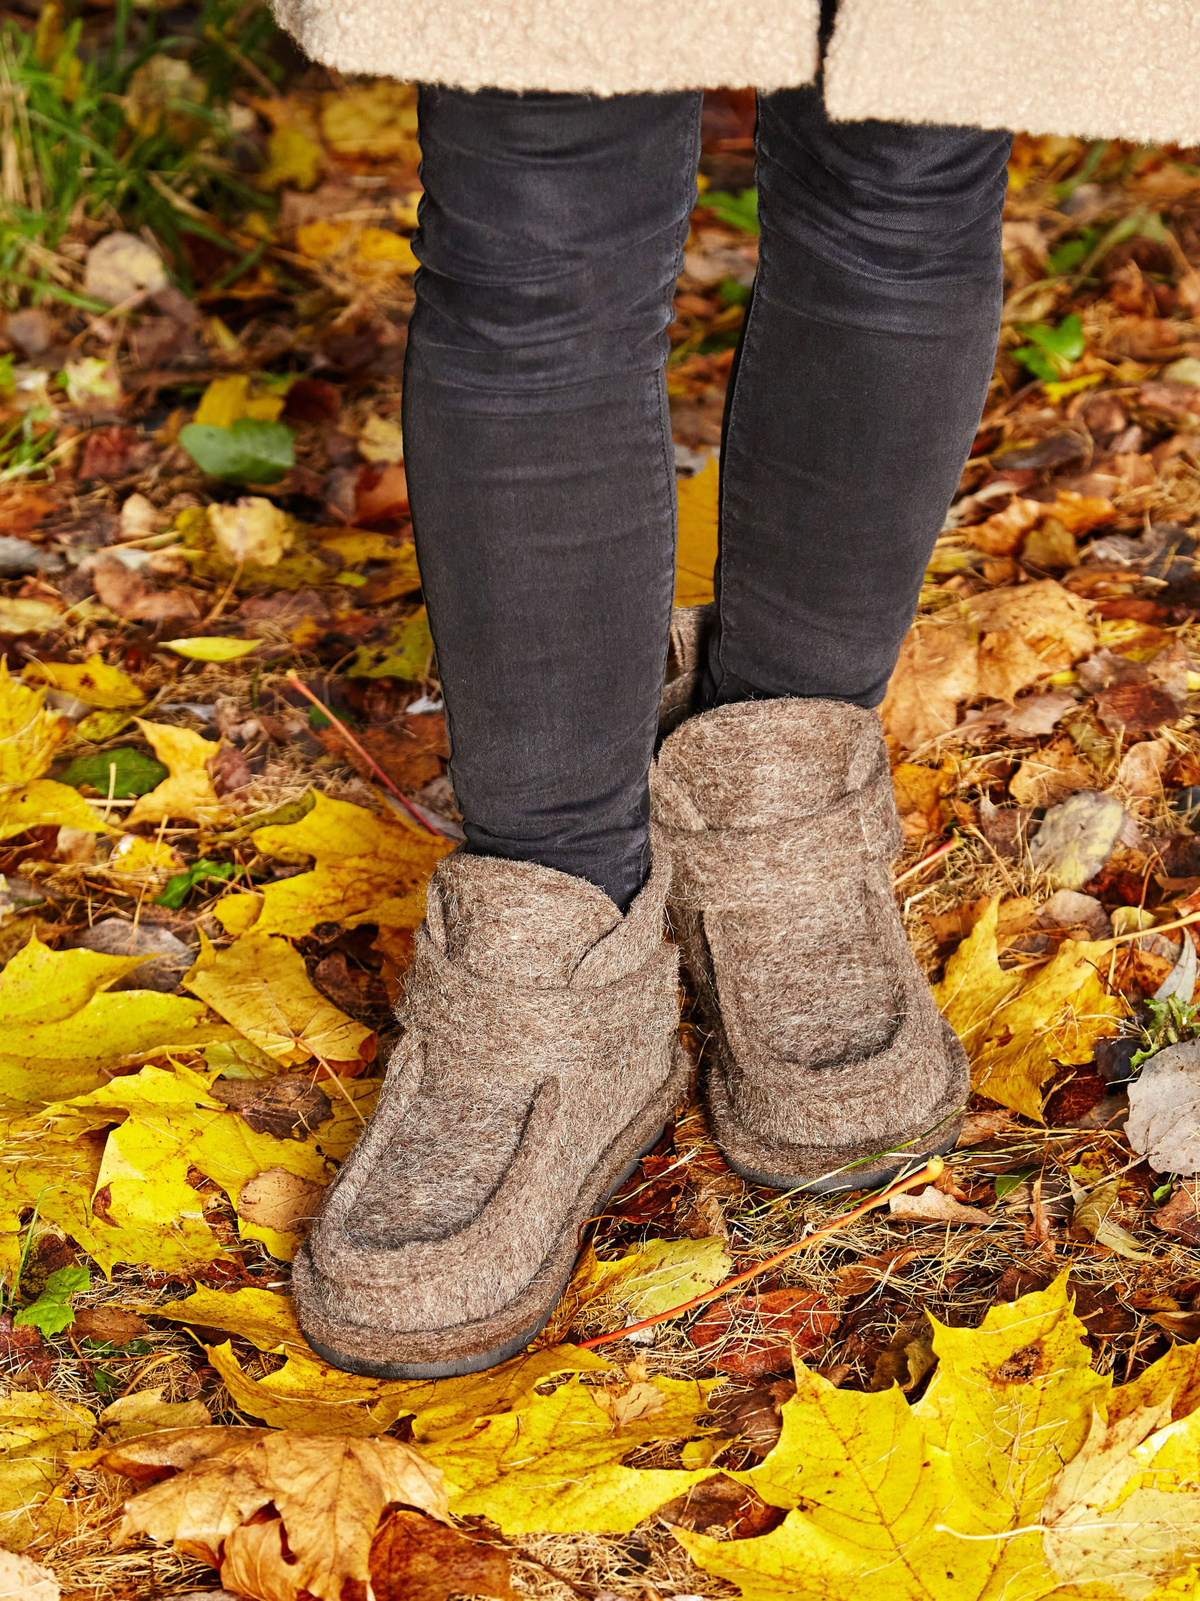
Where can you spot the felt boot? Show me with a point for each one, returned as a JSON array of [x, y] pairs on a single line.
[[829, 1065], [539, 1060]]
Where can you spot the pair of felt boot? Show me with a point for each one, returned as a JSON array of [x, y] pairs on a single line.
[[540, 1054]]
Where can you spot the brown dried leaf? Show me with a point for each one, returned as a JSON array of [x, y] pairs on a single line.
[[279, 1200], [330, 1492], [1002, 533], [130, 597], [1050, 775], [938, 666], [935, 1206], [1181, 1214], [1141, 769], [416, 1559], [287, 1104]]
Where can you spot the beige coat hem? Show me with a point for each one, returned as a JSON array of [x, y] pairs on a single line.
[[1127, 69]]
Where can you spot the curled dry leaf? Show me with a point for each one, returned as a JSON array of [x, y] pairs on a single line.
[[188, 791], [1164, 1110], [935, 1206], [279, 1200], [329, 1492], [1181, 1215], [252, 530], [146, 1412], [1091, 1216], [1142, 767]]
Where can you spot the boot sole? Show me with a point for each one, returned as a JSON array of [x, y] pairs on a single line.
[[850, 1179], [477, 1361]]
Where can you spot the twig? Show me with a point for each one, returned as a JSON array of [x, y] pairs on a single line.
[[931, 1170], [934, 856], [327, 711], [1161, 928]]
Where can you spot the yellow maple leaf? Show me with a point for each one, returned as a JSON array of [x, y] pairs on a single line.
[[971, 1492], [187, 792], [29, 737], [60, 1027], [51, 1170], [367, 869], [93, 682], [555, 1463], [696, 551], [260, 985], [171, 1124], [1017, 1026], [37, 1432]]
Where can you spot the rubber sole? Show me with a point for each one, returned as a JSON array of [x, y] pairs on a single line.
[[456, 1368], [848, 1179]]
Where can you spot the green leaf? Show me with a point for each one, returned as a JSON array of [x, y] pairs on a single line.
[[739, 211], [733, 293], [181, 885], [130, 772], [250, 451], [51, 1313], [1052, 350], [1006, 1183]]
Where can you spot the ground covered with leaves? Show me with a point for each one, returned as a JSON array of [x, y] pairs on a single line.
[[223, 789]]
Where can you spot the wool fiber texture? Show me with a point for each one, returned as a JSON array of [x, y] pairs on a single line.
[[538, 1057], [1120, 69], [780, 826]]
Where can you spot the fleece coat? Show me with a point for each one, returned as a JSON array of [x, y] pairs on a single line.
[[1126, 69], [539, 1059], [829, 1066]]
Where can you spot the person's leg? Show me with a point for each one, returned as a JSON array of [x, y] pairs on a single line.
[[539, 458], [863, 370]]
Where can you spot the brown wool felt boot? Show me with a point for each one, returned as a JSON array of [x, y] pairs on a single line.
[[829, 1066], [539, 1060]]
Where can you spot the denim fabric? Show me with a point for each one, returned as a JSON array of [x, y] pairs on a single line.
[[538, 441]]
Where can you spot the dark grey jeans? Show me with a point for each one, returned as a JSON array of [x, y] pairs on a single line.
[[538, 443]]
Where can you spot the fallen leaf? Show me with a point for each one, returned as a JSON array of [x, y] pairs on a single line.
[[145, 1412], [1003, 533], [377, 121], [109, 1324], [122, 265], [668, 1272], [918, 791], [267, 1320], [406, 655], [1164, 1110], [280, 1201], [128, 596], [938, 666], [696, 548], [367, 869], [1181, 1215], [1050, 775], [877, 1490], [61, 1026], [188, 792], [629, 1403], [22, 1579], [1049, 621], [252, 530], [29, 737], [212, 649], [935, 1206], [287, 1104], [261, 986], [228, 400], [1091, 1217], [751, 1336], [19, 616], [37, 1432], [1038, 714], [1077, 837], [1142, 767], [416, 1559], [93, 682], [329, 1494], [1017, 1027], [380, 439]]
